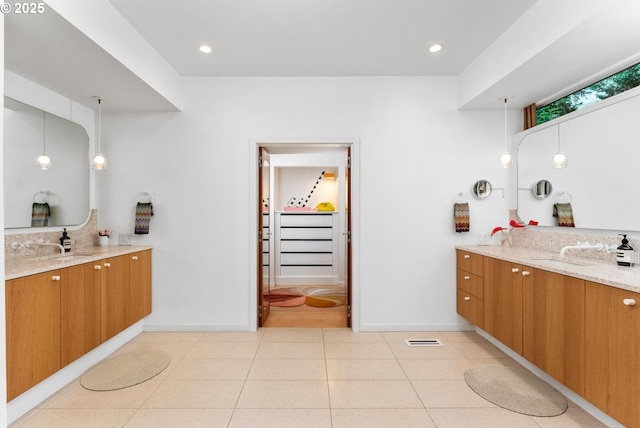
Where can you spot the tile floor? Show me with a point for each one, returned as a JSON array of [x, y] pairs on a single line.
[[299, 377]]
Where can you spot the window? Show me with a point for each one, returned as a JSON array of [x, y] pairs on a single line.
[[624, 80]]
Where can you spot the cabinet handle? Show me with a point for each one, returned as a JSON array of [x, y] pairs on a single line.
[[467, 298], [467, 277], [467, 256], [525, 273], [97, 267], [55, 278], [515, 270], [107, 265], [134, 257], [629, 302]]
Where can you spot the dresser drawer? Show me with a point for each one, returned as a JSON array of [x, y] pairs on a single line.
[[470, 262], [470, 283], [306, 220], [470, 307]]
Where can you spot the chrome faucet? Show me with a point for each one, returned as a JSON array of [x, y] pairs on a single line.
[[580, 246], [41, 243]]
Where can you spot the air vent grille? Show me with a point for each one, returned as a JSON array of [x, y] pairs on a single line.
[[423, 342]]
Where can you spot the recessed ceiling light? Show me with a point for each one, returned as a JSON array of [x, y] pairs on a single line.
[[435, 48], [205, 48]]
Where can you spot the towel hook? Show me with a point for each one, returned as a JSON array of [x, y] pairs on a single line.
[[42, 192], [561, 194], [145, 197], [462, 197]]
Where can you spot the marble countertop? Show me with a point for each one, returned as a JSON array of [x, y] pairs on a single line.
[[603, 272], [25, 266]]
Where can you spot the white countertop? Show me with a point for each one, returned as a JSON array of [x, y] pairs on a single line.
[[600, 271], [25, 266]]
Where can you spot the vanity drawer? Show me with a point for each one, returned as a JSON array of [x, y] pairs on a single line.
[[470, 307], [469, 262], [470, 283]]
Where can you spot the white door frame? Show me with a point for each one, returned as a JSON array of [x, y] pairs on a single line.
[[354, 209]]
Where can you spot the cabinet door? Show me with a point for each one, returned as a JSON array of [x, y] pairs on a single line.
[[33, 330], [554, 325], [612, 360], [140, 285], [79, 310], [114, 300], [503, 302]]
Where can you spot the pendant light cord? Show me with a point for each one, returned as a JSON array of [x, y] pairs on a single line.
[[99, 122], [505, 125]]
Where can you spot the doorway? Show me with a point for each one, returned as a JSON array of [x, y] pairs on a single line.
[[304, 247]]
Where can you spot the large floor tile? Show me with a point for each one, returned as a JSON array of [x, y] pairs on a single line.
[[381, 418], [373, 394], [433, 368], [180, 418], [573, 418], [357, 350], [195, 394], [479, 350], [364, 368], [211, 369], [77, 397], [76, 418], [169, 336], [448, 393], [288, 369], [222, 350], [288, 335], [281, 418], [480, 418], [232, 336], [290, 350], [284, 394], [348, 335], [462, 336]]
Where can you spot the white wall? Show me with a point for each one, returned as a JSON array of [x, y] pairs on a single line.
[[416, 153]]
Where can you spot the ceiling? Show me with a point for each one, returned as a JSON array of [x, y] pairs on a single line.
[[311, 38]]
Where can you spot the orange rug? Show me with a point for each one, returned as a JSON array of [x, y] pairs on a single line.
[[316, 297]]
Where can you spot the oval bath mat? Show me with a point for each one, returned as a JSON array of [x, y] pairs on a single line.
[[516, 389], [125, 370]]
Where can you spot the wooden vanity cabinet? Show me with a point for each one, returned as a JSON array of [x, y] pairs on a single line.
[[612, 359], [503, 302], [470, 288], [553, 325], [139, 285], [115, 297], [79, 310], [32, 329]]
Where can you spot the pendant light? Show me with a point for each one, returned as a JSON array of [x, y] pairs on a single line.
[[505, 159], [99, 162], [559, 159], [43, 162]]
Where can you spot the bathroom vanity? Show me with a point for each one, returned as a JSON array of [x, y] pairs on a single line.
[[58, 308], [576, 319]]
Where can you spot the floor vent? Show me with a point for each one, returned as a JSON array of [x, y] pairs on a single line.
[[423, 342]]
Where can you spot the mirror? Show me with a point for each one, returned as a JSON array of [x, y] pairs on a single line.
[[481, 189], [65, 188], [601, 144], [542, 189]]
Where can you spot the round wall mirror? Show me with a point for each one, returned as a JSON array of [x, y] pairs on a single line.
[[481, 189], [542, 189]]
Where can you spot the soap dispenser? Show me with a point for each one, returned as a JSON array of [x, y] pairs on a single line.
[[65, 241], [624, 252]]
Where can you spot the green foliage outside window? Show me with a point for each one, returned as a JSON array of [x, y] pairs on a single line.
[[624, 80]]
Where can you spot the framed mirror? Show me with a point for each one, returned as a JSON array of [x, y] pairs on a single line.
[[481, 189], [542, 189], [29, 193]]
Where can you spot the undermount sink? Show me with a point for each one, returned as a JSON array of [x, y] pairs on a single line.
[[559, 261]]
